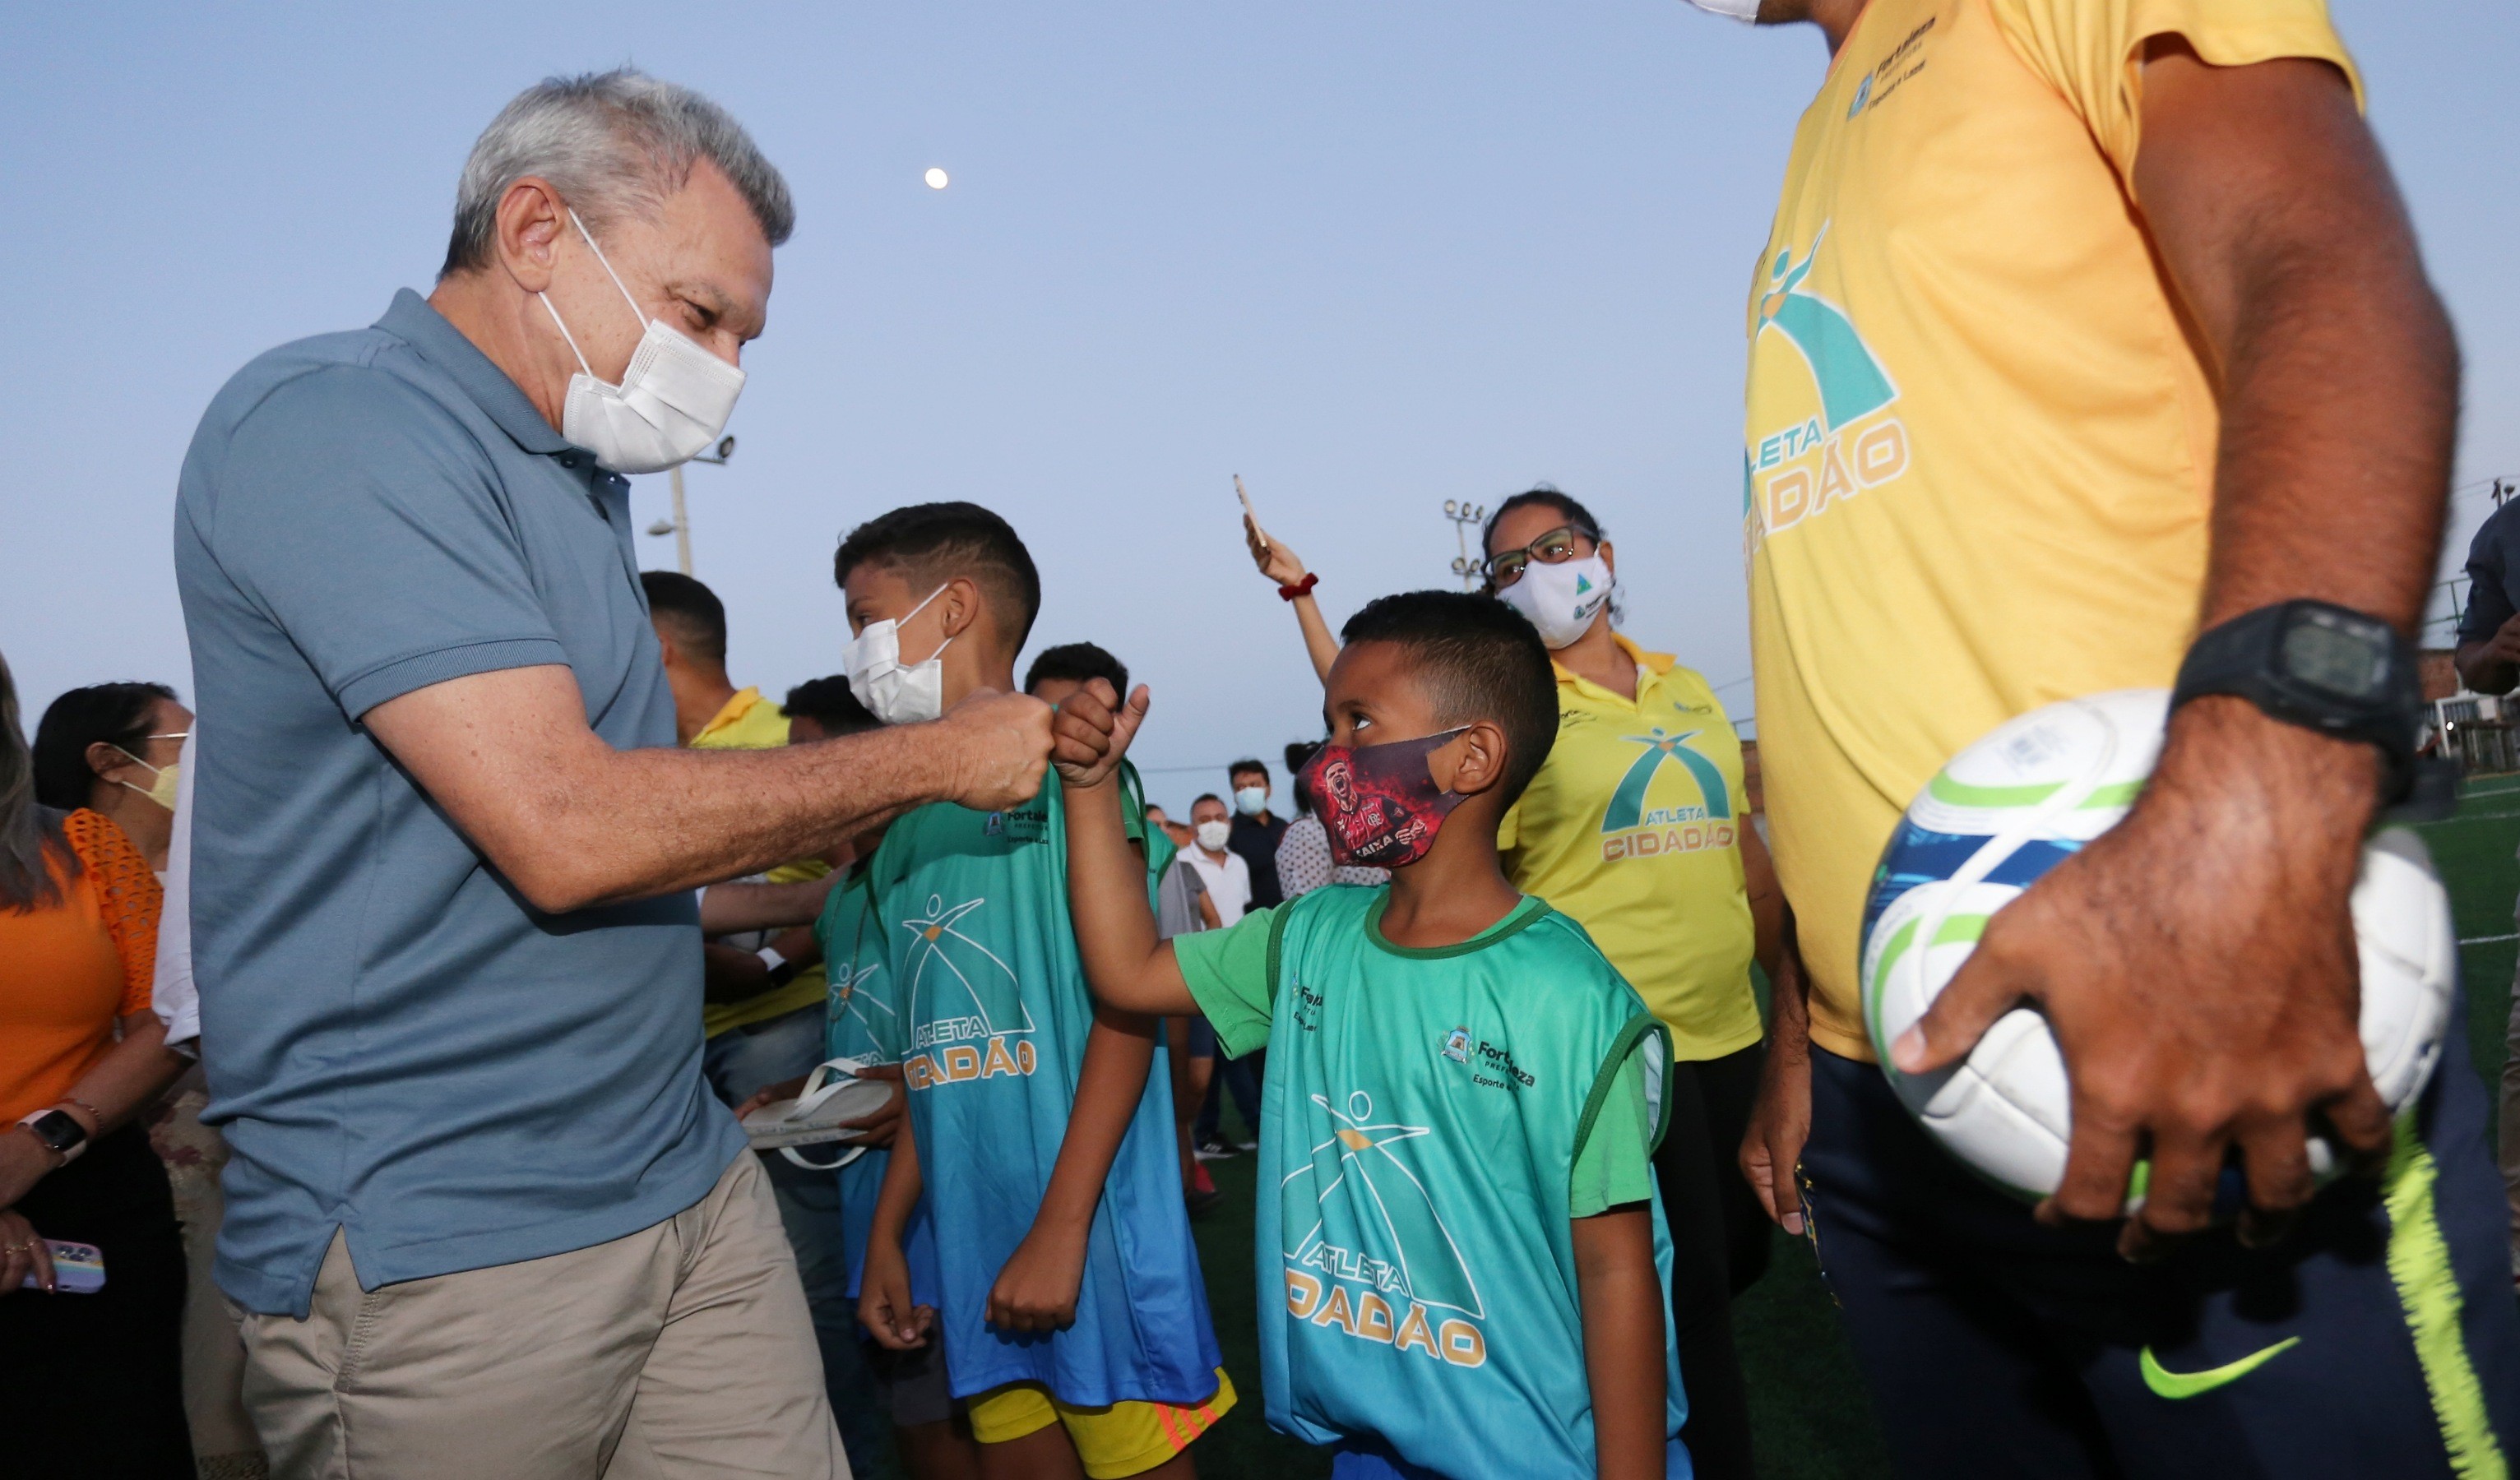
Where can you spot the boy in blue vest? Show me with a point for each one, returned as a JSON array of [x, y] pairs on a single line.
[[1066, 1288], [1463, 1262]]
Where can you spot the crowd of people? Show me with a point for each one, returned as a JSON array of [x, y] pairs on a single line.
[[415, 1055]]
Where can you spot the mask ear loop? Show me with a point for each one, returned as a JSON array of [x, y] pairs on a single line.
[[608, 268], [906, 616], [606, 265]]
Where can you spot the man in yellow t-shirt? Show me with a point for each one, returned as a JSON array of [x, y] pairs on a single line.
[[2056, 289]]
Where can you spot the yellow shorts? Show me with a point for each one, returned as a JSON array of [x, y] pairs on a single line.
[[1124, 1439]]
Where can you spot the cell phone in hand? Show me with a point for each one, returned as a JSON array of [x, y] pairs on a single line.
[[78, 1269]]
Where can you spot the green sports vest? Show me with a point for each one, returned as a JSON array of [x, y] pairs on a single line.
[[1420, 1117]]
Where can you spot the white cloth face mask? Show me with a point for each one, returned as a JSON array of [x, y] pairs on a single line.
[[1739, 10], [1212, 835], [1563, 600], [892, 691], [671, 404]]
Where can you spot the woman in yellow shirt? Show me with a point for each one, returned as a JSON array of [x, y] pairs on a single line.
[[1636, 826]]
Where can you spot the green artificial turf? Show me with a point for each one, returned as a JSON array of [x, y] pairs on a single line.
[[1808, 1410]]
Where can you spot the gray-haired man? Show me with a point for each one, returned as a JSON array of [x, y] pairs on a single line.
[[484, 1218]]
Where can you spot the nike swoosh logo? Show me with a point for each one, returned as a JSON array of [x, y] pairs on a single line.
[[2166, 1383]]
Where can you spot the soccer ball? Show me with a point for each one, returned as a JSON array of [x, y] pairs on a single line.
[[2014, 805]]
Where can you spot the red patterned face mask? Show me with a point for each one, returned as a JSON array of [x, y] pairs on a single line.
[[1379, 804]]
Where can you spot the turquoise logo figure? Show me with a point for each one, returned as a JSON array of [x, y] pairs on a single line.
[[1863, 95], [1627, 807], [954, 981], [1852, 382], [850, 1004], [1457, 1044]]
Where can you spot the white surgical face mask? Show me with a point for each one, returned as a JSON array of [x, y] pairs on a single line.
[[1251, 801], [893, 693], [1212, 835], [1739, 10], [672, 401], [1563, 600]]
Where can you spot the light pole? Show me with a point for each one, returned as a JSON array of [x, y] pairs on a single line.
[[1463, 514], [680, 525]]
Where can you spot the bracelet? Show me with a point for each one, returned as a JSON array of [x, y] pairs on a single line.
[[1303, 587]]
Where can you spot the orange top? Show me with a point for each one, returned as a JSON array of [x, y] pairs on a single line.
[[68, 969]]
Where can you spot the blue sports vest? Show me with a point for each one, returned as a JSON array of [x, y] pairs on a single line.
[[860, 1024], [1416, 1254], [986, 978]]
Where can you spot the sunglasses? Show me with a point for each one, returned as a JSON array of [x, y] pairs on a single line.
[[1564, 543]]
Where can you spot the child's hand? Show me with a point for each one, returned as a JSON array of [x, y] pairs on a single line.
[[785, 1089], [1037, 1289], [1092, 732], [876, 1127], [1275, 562], [883, 1300]]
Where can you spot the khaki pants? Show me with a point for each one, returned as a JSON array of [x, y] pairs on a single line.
[[682, 1349]]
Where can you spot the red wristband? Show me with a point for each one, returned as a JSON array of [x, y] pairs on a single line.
[[1303, 587]]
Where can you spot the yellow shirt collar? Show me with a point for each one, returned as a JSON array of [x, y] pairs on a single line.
[[1655, 663], [729, 715]]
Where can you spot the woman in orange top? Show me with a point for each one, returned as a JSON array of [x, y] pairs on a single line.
[[90, 1382]]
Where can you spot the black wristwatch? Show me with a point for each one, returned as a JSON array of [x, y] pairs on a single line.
[[60, 1131], [2321, 666]]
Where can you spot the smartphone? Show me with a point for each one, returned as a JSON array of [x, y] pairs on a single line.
[[78, 1269], [1248, 510]]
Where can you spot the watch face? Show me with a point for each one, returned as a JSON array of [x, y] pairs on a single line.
[[2344, 658], [57, 1129]]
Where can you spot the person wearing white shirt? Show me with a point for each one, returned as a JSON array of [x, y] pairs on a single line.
[[1227, 876]]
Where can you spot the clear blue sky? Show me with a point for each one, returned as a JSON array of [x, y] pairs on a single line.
[[1370, 256]]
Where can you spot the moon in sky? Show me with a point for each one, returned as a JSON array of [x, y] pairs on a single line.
[[935, 178]]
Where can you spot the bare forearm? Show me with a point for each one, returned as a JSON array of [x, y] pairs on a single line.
[[2339, 375], [1125, 964], [1109, 1087], [131, 1074], [1767, 901], [899, 1196], [1319, 642], [1623, 1343]]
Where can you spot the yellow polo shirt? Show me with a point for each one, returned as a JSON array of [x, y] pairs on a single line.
[[1633, 828], [749, 722], [1979, 444]]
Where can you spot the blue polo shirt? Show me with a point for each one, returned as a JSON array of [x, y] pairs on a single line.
[[398, 1044]]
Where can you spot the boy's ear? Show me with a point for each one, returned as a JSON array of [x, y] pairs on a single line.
[[963, 606], [1479, 756]]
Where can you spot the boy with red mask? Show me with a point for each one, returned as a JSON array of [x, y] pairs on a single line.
[[1462, 1264]]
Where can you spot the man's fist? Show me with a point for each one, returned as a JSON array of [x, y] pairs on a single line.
[[1092, 732], [997, 746]]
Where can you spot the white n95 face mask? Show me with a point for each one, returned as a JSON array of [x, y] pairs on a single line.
[[893, 693], [1563, 600], [1739, 10], [672, 401], [1213, 835]]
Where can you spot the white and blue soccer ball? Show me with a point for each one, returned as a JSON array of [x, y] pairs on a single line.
[[2014, 805]]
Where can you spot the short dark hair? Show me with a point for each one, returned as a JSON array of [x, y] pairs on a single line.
[[1475, 659], [1207, 796], [114, 714], [690, 608], [828, 702], [1246, 764], [1077, 662], [936, 542]]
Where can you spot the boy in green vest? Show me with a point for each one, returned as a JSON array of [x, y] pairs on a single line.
[[1463, 1262]]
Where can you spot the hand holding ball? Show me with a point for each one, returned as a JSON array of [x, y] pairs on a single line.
[[2014, 805]]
